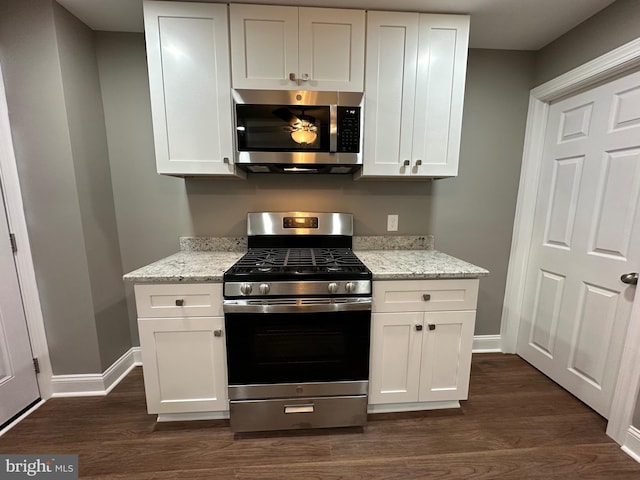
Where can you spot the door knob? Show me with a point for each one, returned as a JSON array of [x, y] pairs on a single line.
[[630, 278]]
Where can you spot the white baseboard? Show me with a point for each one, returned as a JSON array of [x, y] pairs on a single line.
[[412, 407], [183, 417], [96, 384], [632, 444], [487, 344]]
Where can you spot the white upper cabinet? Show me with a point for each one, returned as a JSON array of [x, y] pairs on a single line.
[[189, 79], [285, 48], [415, 76]]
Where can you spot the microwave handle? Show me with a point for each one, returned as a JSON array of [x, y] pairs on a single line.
[[333, 128]]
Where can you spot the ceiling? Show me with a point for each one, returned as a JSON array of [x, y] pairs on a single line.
[[500, 24]]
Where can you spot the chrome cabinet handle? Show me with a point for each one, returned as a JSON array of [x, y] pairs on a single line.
[[217, 332], [179, 302], [305, 77], [418, 163], [292, 77], [432, 326], [418, 327], [225, 160], [630, 278], [406, 163], [426, 297]]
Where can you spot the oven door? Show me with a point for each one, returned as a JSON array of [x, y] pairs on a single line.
[[297, 352]]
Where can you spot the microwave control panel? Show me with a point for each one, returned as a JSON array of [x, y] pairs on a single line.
[[349, 129]]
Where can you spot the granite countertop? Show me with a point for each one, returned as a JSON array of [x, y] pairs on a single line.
[[388, 258], [186, 267], [417, 264]]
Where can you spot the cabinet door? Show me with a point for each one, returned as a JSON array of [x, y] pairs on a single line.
[[184, 364], [447, 340], [264, 46], [188, 57], [442, 60], [395, 357], [392, 55], [331, 49]]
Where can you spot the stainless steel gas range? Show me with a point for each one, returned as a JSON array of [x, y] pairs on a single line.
[[298, 315]]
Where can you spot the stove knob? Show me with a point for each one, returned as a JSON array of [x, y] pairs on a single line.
[[332, 287], [264, 288], [246, 288], [350, 287]]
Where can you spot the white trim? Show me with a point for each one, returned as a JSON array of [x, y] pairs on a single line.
[[24, 262], [96, 384], [628, 382], [632, 445], [487, 344], [190, 416], [604, 68], [411, 407], [21, 417]]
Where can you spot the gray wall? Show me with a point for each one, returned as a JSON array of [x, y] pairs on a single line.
[[471, 215], [612, 27], [87, 133], [47, 129]]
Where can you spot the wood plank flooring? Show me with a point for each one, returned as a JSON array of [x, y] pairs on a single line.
[[517, 424]]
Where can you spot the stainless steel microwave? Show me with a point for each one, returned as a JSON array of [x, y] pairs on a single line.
[[287, 131]]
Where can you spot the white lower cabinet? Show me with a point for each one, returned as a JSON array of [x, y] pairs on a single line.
[[183, 355], [421, 357]]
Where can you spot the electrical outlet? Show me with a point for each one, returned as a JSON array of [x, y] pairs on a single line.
[[392, 223]]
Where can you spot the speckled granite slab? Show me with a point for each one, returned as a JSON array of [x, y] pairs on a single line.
[[396, 242], [381, 242], [417, 264], [186, 267], [213, 244]]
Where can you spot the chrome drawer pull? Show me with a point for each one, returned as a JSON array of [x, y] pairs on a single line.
[[299, 408], [217, 333], [432, 326], [179, 302], [426, 297]]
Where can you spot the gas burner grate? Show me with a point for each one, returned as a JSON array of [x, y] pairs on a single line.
[[298, 260]]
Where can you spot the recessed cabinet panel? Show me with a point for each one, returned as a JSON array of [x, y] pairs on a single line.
[[395, 358], [264, 45], [184, 364], [434, 56], [189, 79], [419, 356], [446, 355], [425, 295], [170, 300], [291, 48], [332, 49]]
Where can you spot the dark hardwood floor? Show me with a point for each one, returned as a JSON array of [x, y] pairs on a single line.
[[517, 424]]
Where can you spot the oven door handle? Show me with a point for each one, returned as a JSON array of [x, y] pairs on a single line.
[[244, 306]]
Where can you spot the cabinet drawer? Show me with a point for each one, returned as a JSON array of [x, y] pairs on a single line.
[[179, 300], [425, 295]]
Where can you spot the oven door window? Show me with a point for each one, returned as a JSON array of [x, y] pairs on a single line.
[[295, 348], [282, 128]]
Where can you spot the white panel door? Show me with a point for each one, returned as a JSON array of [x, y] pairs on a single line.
[[442, 64], [264, 46], [18, 383], [447, 341], [396, 346], [190, 87], [185, 367], [586, 236], [392, 55], [331, 49]]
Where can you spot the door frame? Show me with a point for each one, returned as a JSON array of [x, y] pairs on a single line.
[[23, 259], [622, 60]]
